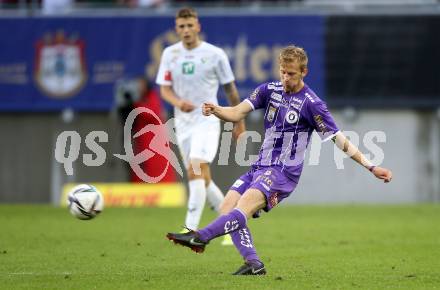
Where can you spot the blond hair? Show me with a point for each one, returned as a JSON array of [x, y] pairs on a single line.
[[294, 53], [186, 12]]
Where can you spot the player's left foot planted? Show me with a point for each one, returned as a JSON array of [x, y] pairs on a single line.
[[190, 239], [251, 268]]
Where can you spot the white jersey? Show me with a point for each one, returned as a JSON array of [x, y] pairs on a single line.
[[195, 75]]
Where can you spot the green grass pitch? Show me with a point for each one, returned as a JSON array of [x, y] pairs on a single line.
[[303, 247]]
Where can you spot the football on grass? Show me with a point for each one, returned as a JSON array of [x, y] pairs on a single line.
[[85, 201]]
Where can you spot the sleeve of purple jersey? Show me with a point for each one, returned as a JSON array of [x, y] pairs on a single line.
[[321, 119], [257, 99]]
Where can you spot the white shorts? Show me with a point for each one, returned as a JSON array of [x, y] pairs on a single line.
[[199, 142]]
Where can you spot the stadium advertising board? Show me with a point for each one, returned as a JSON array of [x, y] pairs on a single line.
[[137, 195], [48, 64]]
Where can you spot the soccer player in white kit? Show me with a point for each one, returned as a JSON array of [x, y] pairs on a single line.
[[189, 75]]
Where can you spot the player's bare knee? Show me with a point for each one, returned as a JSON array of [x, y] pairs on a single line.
[[199, 169], [251, 201], [192, 175], [195, 167]]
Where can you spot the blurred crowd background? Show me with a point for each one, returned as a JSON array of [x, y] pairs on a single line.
[[67, 6]]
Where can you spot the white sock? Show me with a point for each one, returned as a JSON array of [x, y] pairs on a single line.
[[196, 203], [214, 195]]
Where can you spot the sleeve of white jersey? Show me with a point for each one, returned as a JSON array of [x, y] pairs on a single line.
[[223, 68], [163, 77]]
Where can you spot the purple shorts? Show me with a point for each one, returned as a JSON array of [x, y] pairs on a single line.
[[270, 180]]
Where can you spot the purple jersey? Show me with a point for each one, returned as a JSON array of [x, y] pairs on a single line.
[[289, 121]]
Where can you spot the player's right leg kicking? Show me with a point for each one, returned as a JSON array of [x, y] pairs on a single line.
[[234, 223]]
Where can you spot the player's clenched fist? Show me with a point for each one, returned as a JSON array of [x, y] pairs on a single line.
[[383, 173], [208, 109]]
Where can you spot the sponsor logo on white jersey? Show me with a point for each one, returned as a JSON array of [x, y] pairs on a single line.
[[188, 68]]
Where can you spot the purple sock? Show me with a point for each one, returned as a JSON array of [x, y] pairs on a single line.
[[244, 243], [223, 225]]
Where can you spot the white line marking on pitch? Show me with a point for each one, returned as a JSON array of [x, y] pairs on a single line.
[[37, 274]]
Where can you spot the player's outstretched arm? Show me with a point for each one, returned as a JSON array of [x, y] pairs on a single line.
[[234, 99], [168, 95], [351, 150], [228, 114]]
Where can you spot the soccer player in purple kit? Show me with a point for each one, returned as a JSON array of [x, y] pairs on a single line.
[[292, 113]]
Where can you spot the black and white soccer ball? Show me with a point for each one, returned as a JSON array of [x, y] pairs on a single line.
[[85, 201]]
